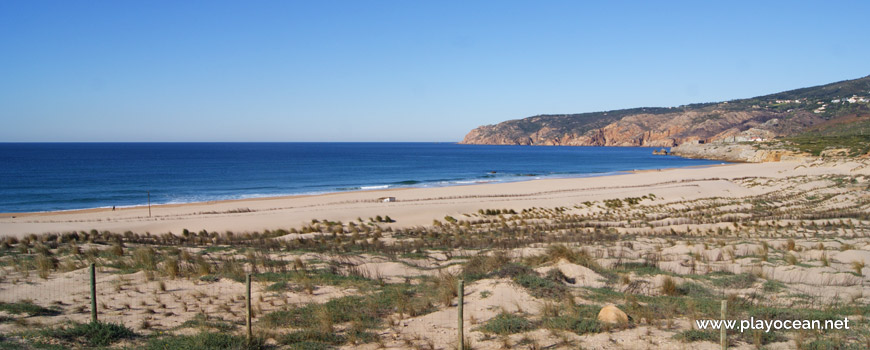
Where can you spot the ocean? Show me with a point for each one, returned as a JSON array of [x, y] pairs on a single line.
[[65, 176]]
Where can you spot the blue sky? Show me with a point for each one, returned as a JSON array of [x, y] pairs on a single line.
[[394, 70]]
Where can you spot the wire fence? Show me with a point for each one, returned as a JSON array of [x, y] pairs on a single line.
[[288, 298]]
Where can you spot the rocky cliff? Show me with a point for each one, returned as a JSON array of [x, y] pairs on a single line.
[[760, 118], [729, 152]]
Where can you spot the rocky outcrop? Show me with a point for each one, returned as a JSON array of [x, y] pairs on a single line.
[[747, 153], [760, 118], [644, 129]]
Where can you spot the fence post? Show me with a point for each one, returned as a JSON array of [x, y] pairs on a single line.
[[93, 293], [461, 315], [722, 341], [248, 306]]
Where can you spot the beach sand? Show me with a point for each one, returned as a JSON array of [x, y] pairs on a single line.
[[415, 206]]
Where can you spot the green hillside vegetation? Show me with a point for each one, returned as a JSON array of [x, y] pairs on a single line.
[[856, 144], [809, 99], [826, 92], [854, 136], [583, 122], [812, 95]]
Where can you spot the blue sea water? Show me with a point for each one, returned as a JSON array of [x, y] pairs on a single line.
[[63, 176]]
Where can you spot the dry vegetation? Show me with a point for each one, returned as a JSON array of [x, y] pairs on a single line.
[[535, 278]]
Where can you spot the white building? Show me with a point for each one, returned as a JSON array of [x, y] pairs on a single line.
[[856, 99]]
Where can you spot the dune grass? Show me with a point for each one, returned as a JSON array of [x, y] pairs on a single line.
[[506, 323], [29, 308], [205, 341], [90, 334]]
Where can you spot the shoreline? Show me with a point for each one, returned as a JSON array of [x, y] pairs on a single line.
[[420, 206], [306, 195], [179, 205]]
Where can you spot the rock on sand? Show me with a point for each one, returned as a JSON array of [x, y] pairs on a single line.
[[612, 314]]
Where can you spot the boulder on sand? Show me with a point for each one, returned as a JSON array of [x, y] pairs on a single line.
[[612, 314]]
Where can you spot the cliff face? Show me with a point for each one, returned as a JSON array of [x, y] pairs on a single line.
[[652, 130], [765, 117]]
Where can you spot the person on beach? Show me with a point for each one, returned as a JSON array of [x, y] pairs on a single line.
[[113, 208]]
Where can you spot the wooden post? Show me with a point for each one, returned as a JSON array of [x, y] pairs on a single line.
[[149, 204], [248, 306], [461, 316], [722, 341], [93, 293]]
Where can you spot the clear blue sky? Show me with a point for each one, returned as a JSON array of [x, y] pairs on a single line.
[[395, 70]]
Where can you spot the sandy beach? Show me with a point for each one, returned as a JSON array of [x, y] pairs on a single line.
[[414, 206], [348, 175], [663, 248]]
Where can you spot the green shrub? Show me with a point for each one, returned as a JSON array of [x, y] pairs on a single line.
[[541, 287], [505, 323], [11, 344], [741, 281], [578, 325], [278, 287], [366, 310], [641, 268], [772, 286], [205, 341], [203, 321], [92, 334], [694, 335], [312, 336], [316, 321]]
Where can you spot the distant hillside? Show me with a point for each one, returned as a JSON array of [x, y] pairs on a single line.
[[827, 109]]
